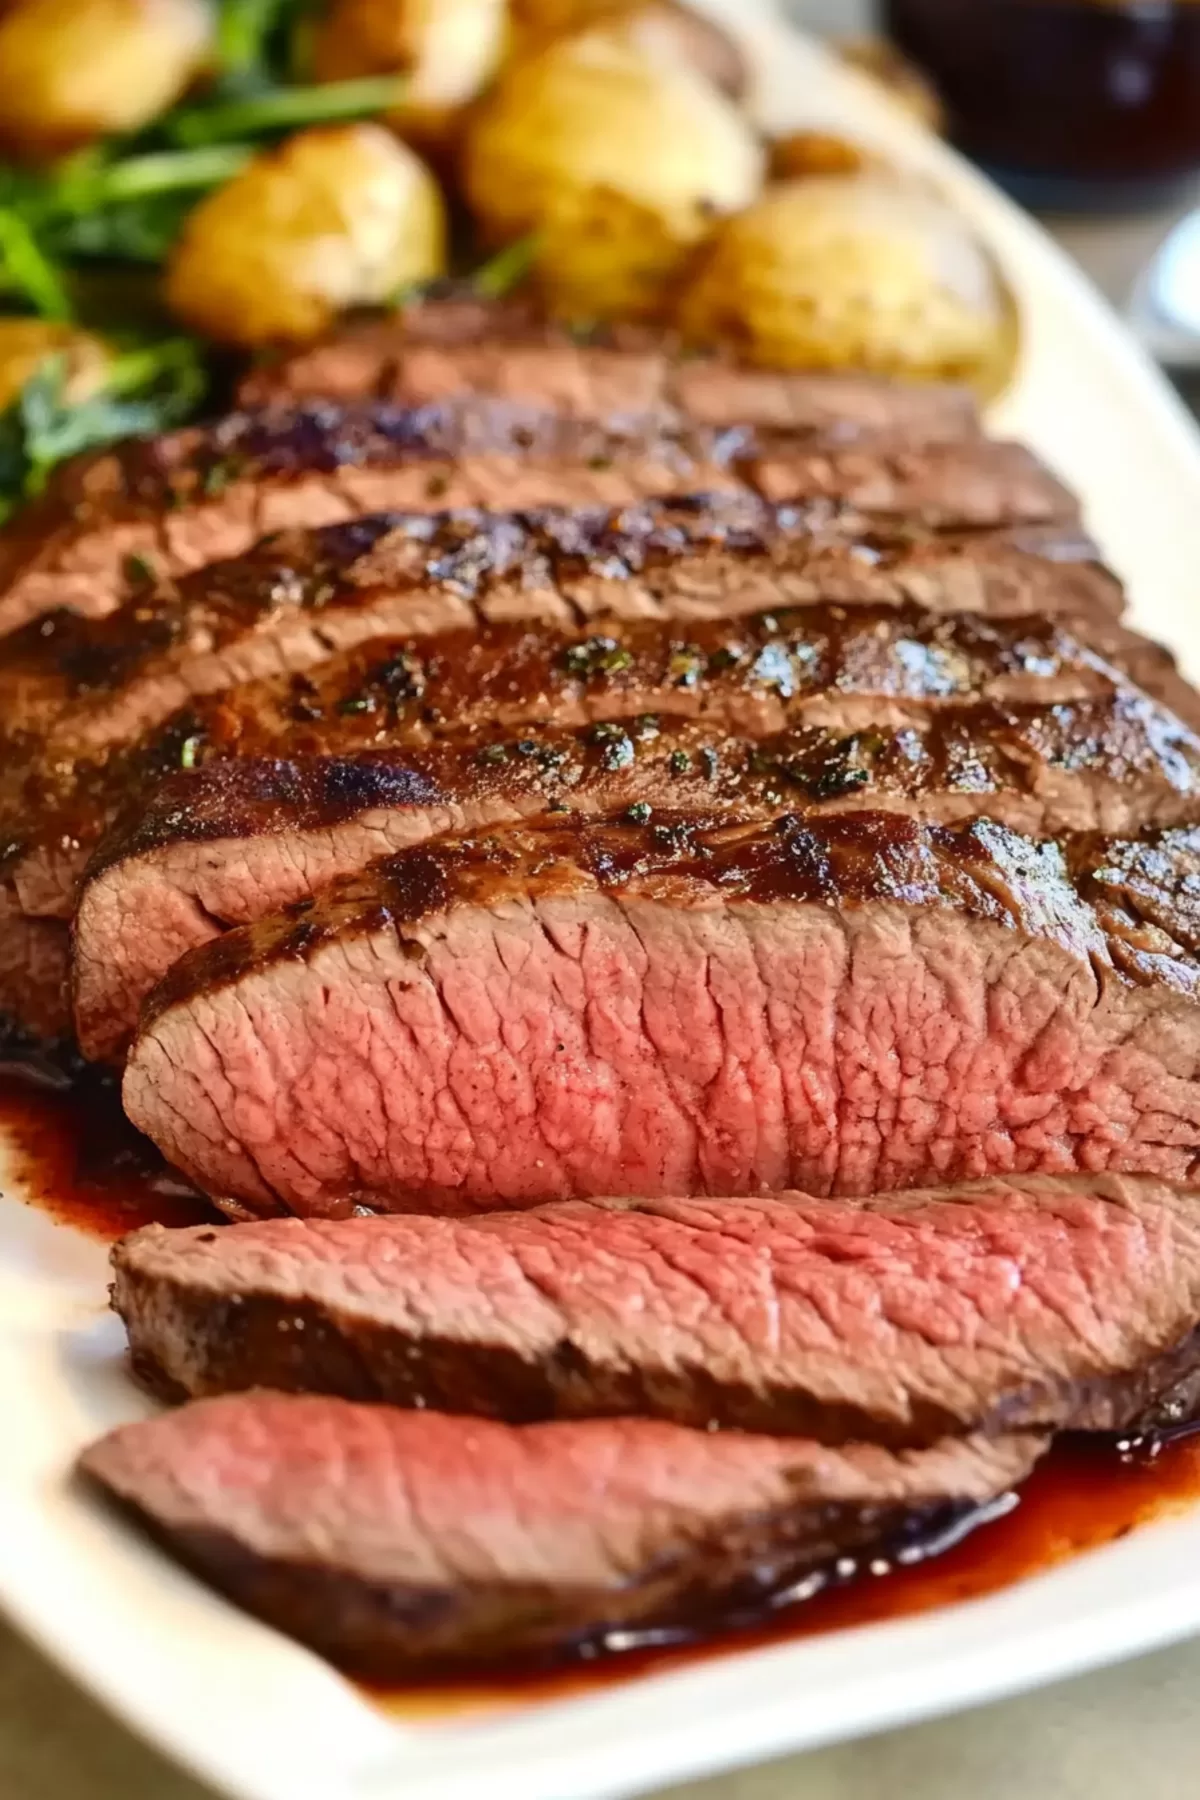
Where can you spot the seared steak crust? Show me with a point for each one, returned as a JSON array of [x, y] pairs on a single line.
[[750, 676], [392, 1541], [111, 521], [1036, 1302], [227, 844], [300, 596], [846, 1003]]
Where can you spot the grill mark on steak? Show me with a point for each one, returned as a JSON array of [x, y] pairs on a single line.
[[415, 360], [422, 1539], [752, 676], [57, 800], [1055, 1304], [300, 597], [846, 1003], [230, 843], [112, 519]]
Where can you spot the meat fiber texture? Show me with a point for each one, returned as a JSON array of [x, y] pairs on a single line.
[[393, 1541], [1035, 1302], [851, 1003], [875, 713]]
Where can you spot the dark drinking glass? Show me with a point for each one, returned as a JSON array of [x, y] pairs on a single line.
[[1067, 102]]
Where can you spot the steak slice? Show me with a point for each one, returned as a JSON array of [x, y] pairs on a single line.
[[395, 1541], [752, 676], [1030, 1303], [301, 597], [843, 1003], [227, 844], [416, 359], [111, 520]]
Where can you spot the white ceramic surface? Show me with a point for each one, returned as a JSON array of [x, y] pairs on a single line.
[[259, 1717]]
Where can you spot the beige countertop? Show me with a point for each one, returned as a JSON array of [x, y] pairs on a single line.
[[1126, 1733]]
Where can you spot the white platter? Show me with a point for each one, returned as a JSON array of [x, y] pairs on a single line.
[[262, 1719]]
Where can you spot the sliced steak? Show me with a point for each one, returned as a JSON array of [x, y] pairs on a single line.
[[113, 519], [1036, 1302], [846, 1003], [301, 596], [838, 665], [392, 1541], [225, 845], [416, 358], [835, 665], [35, 974]]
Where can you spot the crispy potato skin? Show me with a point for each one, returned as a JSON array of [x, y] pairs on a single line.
[[75, 70], [867, 271], [620, 166], [25, 344], [662, 29], [448, 49], [334, 217]]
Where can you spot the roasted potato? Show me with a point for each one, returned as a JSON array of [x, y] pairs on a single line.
[[449, 50], [334, 217], [74, 70], [617, 165], [662, 29], [867, 271], [27, 343]]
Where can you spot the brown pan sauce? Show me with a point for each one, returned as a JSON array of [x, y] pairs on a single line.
[[78, 1158]]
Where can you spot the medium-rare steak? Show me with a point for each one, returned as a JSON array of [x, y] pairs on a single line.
[[391, 1541], [845, 1003], [112, 520], [234, 841], [425, 355], [837, 666], [58, 797], [1035, 1302], [302, 596]]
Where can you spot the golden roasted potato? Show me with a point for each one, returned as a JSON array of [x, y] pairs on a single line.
[[27, 343], [618, 165], [449, 50], [662, 29], [334, 217], [867, 271], [74, 70]]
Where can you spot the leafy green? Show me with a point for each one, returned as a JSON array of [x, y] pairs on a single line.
[[507, 269], [149, 388], [25, 267], [284, 109], [253, 42]]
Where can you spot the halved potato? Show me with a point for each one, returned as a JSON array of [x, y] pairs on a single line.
[[334, 217], [868, 271], [75, 70], [447, 49], [618, 164]]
